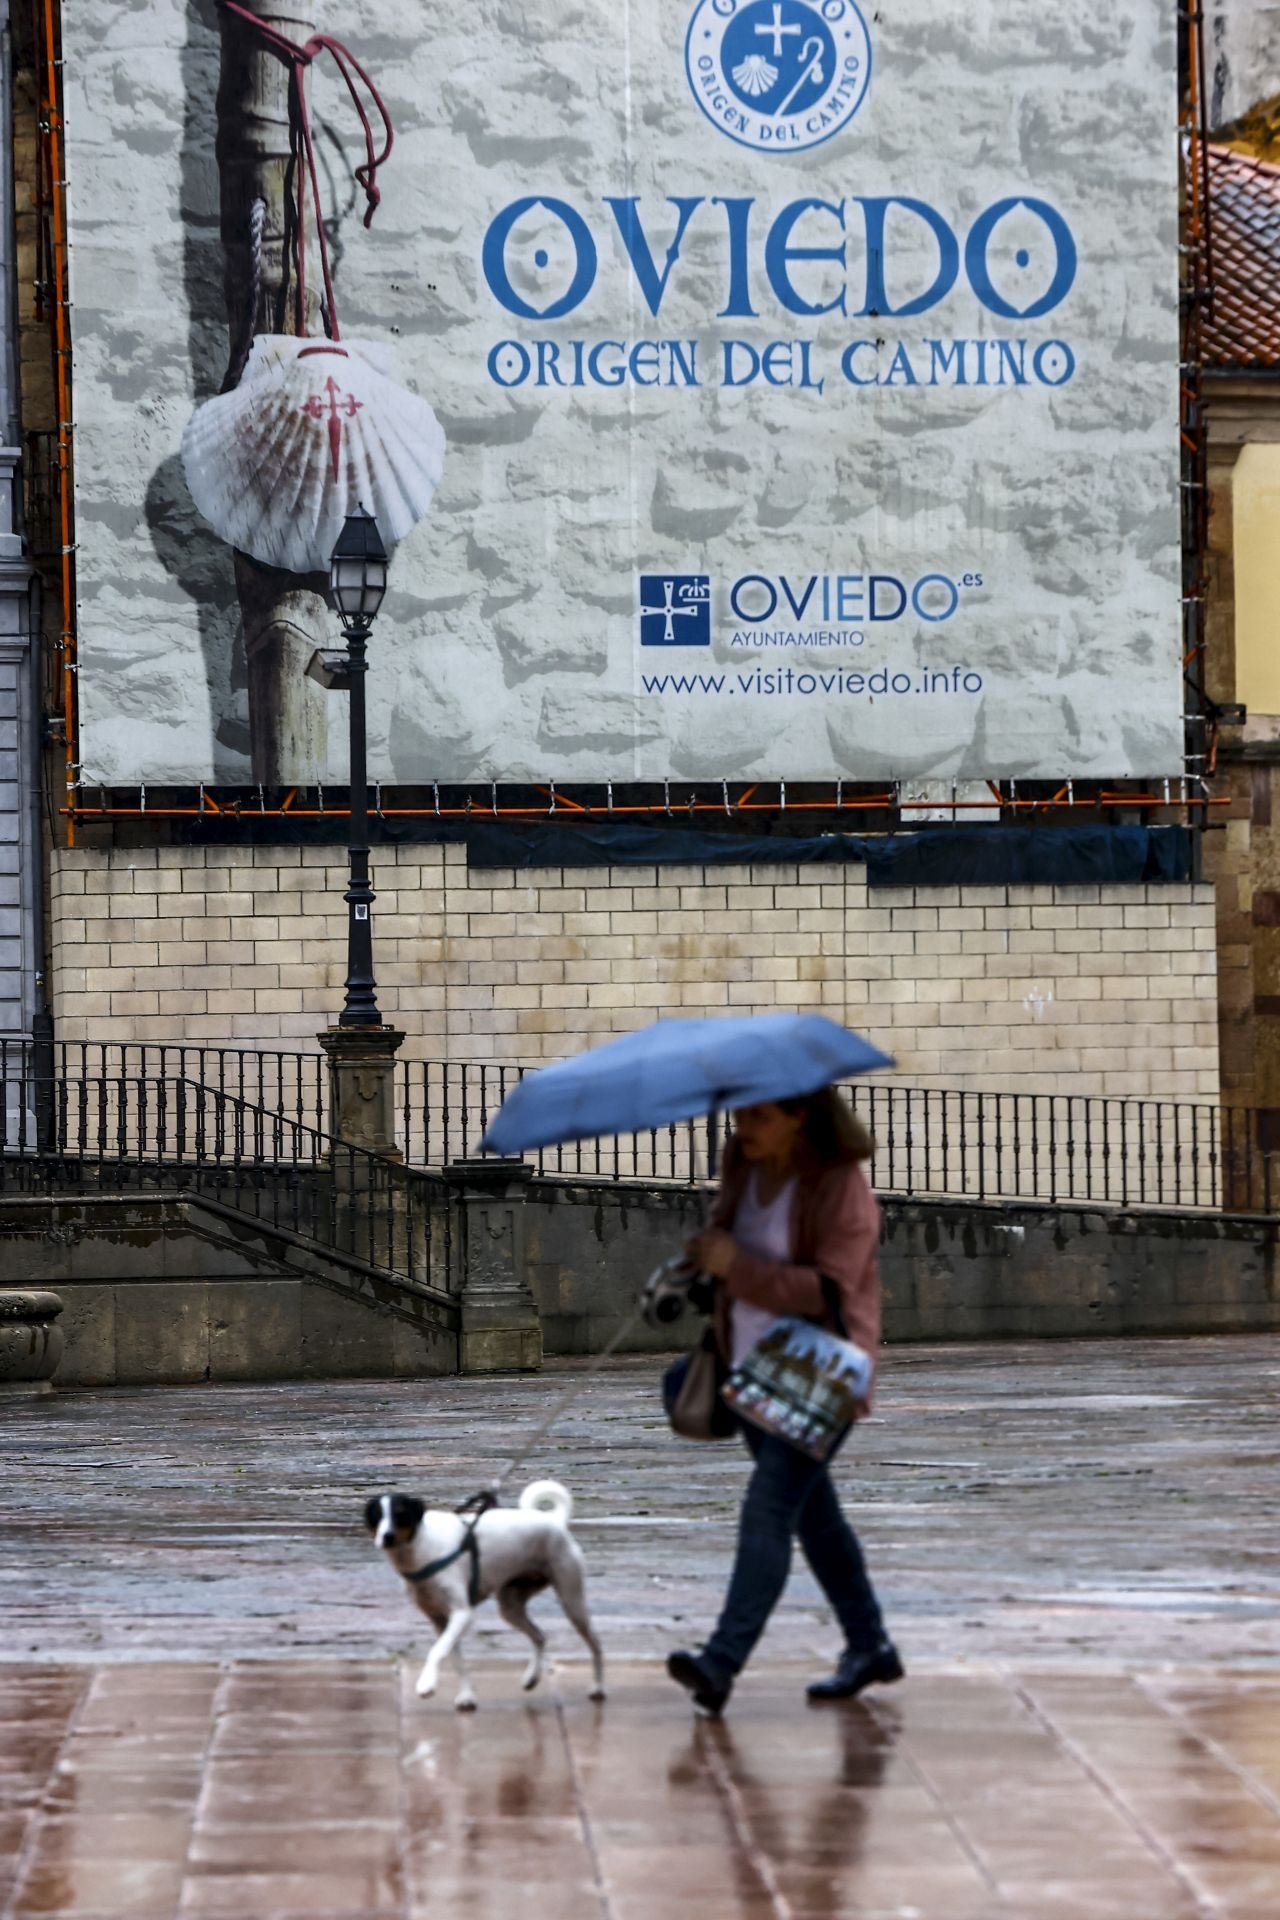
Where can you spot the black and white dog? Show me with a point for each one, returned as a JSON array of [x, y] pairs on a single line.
[[512, 1553]]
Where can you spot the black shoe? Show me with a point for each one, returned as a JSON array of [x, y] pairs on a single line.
[[854, 1671], [688, 1671]]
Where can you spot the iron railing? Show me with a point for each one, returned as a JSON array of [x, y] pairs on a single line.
[[291, 1084], [932, 1142], [444, 1106], [938, 1143], [116, 1132]]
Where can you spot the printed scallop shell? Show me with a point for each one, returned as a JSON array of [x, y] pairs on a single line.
[[755, 75], [314, 429]]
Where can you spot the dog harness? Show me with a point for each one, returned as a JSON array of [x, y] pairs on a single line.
[[468, 1544]]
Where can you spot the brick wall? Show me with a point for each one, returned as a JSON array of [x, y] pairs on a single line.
[[1071, 990]]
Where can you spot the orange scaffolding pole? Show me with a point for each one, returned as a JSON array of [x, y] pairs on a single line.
[[207, 806]]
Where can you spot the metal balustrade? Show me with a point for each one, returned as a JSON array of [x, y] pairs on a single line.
[[125, 1132], [941, 1143], [292, 1084], [938, 1143]]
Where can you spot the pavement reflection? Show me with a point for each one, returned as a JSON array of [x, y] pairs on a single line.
[[214, 1717], [285, 1789]]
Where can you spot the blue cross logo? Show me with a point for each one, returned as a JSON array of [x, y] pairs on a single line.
[[675, 610], [778, 75]]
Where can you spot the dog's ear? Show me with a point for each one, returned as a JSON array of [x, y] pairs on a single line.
[[407, 1511], [373, 1513]]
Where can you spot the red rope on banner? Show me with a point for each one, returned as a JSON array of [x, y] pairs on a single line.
[[298, 59]]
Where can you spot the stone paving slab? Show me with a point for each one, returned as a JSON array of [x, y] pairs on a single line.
[[206, 1672], [247, 1791], [1052, 1502]]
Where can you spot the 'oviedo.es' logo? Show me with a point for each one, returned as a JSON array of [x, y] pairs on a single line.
[[778, 75]]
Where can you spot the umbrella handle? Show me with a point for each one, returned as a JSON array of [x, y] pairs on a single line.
[[713, 1140]]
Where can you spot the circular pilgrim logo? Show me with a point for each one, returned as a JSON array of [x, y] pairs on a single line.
[[778, 75]]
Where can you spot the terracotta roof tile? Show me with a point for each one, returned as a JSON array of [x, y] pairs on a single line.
[[1244, 201]]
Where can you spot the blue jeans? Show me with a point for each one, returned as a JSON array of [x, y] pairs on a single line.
[[790, 1494]]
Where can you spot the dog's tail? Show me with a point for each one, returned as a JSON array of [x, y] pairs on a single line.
[[548, 1496]]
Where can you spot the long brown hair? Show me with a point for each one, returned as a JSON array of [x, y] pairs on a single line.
[[833, 1132]]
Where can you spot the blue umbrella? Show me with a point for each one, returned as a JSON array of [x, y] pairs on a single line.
[[676, 1070]]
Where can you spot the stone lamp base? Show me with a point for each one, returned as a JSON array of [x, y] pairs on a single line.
[[362, 1102], [30, 1341]]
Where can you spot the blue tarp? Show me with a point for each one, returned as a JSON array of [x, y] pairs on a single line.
[[934, 857]]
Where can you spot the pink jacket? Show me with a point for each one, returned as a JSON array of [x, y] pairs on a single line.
[[835, 1231]]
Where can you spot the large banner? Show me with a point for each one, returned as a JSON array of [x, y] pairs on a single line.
[[750, 388]]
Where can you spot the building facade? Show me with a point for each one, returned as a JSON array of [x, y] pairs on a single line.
[[21, 828], [210, 913], [1243, 392]]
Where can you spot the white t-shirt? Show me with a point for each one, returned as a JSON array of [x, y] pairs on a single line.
[[766, 1232]]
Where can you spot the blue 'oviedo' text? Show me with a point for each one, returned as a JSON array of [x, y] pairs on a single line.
[[841, 251]]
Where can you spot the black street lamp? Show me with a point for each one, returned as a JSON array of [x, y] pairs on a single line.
[[357, 583]]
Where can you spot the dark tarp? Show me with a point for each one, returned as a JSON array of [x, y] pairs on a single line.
[[947, 856], [1090, 856], [941, 856]]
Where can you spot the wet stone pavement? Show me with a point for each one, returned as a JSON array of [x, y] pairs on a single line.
[[206, 1672]]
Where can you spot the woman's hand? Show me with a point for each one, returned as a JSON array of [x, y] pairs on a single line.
[[712, 1251]]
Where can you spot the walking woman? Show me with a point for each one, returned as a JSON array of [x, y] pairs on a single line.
[[795, 1230]]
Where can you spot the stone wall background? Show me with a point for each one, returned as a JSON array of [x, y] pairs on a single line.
[[1078, 990], [951, 1271], [151, 1294]]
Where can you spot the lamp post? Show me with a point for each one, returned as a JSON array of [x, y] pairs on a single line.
[[357, 583], [361, 1048]]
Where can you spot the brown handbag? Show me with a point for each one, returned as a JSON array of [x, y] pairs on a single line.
[[691, 1393]]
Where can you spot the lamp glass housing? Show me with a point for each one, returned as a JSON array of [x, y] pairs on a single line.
[[358, 569]]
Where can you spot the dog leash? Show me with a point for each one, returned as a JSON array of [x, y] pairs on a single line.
[[566, 1399], [484, 1501], [579, 1386], [637, 1313]]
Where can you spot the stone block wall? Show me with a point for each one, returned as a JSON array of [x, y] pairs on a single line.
[[1070, 990], [160, 1287], [156, 1290], [951, 1271]]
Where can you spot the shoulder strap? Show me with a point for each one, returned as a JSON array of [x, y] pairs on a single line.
[[831, 1298]]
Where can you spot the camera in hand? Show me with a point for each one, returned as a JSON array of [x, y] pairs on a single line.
[[673, 1289]]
